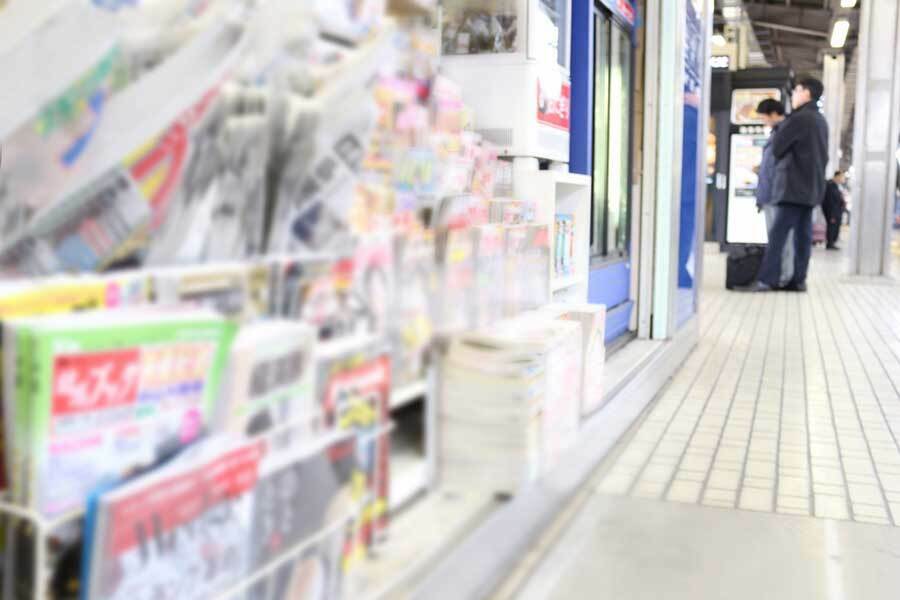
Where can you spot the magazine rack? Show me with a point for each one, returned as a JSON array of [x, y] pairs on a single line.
[[44, 528]]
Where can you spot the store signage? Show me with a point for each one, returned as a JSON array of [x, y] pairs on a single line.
[[720, 62], [624, 8], [554, 104]]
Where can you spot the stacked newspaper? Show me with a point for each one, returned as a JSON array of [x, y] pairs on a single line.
[[509, 402], [592, 318]]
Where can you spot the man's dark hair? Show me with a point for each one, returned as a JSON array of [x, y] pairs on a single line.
[[838, 173], [770, 106], [815, 87]]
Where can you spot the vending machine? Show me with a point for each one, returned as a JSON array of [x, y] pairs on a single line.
[[511, 59], [741, 150]]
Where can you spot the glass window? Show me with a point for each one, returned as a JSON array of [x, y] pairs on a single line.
[[619, 129], [612, 129]]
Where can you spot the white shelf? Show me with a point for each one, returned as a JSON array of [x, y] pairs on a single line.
[[409, 478], [565, 282], [409, 393], [560, 192]]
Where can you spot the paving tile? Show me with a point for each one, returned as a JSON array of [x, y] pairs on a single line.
[[756, 499], [831, 507], [725, 480], [685, 491]]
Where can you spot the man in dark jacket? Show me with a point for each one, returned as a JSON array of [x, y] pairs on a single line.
[[771, 112], [833, 207], [800, 148]]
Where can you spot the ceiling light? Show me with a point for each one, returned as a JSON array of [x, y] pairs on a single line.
[[731, 13], [839, 32], [848, 3], [719, 40]]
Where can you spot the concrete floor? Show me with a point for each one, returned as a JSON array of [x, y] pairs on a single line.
[[769, 468]]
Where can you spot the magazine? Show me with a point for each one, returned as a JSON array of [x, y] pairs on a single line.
[[222, 514], [100, 394], [269, 380], [303, 509], [412, 322], [354, 383], [179, 532]]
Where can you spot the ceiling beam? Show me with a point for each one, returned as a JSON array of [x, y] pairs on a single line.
[[792, 29]]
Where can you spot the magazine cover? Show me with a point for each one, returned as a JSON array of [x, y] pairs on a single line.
[[180, 532], [59, 295], [108, 393], [527, 270], [489, 275], [412, 323], [354, 381], [269, 380], [303, 507], [456, 264], [373, 280]]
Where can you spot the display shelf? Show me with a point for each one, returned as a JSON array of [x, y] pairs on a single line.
[[559, 192], [419, 538], [565, 282], [409, 393]]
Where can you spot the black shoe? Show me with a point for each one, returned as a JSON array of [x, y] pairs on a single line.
[[795, 287]]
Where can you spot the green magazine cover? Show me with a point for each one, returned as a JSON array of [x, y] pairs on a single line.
[[113, 392]]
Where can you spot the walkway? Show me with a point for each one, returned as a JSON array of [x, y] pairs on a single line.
[[790, 406]]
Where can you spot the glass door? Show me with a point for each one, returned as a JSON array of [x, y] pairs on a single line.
[[619, 147], [612, 128]]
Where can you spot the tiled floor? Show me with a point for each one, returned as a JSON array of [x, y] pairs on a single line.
[[790, 404]]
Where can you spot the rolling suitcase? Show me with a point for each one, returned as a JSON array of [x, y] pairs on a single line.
[[743, 265]]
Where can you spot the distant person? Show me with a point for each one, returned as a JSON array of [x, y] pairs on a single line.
[[800, 149], [833, 206], [772, 114]]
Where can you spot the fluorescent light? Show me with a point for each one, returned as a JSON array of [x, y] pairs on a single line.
[[848, 3], [719, 40], [731, 12], [839, 33]]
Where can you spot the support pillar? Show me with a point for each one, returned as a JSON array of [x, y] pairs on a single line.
[[876, 136], [833, 78]]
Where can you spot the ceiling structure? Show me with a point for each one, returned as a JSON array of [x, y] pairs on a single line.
[[796, 33]]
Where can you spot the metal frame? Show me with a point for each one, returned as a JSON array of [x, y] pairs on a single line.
[[668, 172]]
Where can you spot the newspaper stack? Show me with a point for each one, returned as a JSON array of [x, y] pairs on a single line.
[[509, 402], [592, 318]]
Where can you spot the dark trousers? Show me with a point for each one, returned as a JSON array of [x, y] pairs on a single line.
[[788, 217], [833, 231]]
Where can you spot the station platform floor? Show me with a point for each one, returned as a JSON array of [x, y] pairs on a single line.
[[769, 467]]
